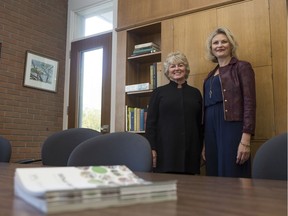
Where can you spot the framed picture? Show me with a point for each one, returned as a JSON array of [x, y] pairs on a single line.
[[41, 72]]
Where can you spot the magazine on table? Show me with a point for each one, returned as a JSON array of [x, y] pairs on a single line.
[[59, 189]]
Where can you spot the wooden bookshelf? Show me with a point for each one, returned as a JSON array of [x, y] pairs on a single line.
[[138, 67]]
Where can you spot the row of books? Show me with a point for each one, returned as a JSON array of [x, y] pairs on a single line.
[[135, 119], [155, 72], [60, 189], [144, 48]]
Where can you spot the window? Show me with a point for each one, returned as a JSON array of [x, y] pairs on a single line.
[[94, 20], [99, 23]]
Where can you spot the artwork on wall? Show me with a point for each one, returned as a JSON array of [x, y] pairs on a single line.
[[41, 72]]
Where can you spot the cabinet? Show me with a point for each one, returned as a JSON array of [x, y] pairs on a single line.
[[138, 71], [186, 29]]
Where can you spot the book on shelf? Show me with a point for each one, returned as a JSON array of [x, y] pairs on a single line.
[[60, 189], [138, 87], [127, 118], [145, 45], [146, 50], [131, 116], [141, 120], [159, 73], [155, 74], [155, 79], [135, 119]]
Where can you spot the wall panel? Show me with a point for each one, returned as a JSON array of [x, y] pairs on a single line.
[[141, 12], [265, 122], [278, 20], [190, 34], [249, 21], [120, 80]]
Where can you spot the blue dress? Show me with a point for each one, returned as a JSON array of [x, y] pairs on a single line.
[[222, 137]]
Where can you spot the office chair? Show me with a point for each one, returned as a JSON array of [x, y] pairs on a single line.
[[5, 150], [270, 161], [118, 148], [57, 147]]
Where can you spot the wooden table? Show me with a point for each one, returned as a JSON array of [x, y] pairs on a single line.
[[197, 195]]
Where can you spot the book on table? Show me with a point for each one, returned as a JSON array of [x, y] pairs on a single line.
[[60, 189]]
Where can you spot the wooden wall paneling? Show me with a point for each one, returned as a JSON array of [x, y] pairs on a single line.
[[249, 21], [265, 122], [120, 80], [197, 80], [167, 44], [190, 35], [133, 13], [170, 7], [278, 20], [255, 144]]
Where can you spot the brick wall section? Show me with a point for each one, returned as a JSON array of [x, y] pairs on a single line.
[[28, 115]]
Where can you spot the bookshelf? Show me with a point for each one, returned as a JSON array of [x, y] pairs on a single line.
[[138, 71]]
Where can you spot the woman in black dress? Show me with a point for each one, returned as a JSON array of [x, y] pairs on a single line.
[[173, 125]]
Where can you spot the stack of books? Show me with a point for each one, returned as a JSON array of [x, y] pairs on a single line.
[[135, 119], [60, 189], [138, 87], [150, 47]]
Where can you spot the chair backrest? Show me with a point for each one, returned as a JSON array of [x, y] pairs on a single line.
[[270, 161], [57, 147], [118, 148], [5, 150]]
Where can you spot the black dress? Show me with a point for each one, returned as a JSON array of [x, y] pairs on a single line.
[[173, 128]]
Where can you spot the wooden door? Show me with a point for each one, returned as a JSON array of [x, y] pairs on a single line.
[[103, 42]]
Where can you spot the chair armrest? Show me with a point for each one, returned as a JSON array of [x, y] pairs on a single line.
[[28, 161]]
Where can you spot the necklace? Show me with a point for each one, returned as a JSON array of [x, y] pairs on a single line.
[[211, 82]]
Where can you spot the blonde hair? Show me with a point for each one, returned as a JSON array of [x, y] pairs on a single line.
[[176, 58], [230, 37]]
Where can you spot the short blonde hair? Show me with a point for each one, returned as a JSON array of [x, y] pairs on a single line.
[[176, 58], [230, 37]]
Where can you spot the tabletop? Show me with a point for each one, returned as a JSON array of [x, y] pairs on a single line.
[[197, 195]]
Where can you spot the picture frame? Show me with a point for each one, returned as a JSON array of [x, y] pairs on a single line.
[[41, 72]]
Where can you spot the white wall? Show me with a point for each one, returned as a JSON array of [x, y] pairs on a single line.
[[73, 7]]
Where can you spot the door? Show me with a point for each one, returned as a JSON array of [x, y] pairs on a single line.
[[90, 83]]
